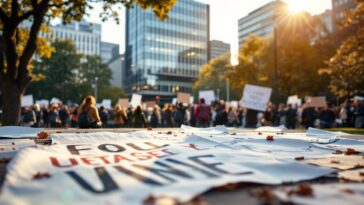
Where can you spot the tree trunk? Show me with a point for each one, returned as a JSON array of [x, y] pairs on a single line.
[[11, 95]]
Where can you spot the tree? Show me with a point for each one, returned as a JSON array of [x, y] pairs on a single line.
[[58, 71], [249, 69], [346, 67], [212, 76], [16, 55]]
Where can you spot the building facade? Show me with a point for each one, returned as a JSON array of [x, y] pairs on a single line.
[[326, 19], [117, 67], [218, 48], [339, 8], [164, 57], [109, 51], [261, 21], [85, 36]]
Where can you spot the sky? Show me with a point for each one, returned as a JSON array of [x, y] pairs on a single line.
[[224, 15]]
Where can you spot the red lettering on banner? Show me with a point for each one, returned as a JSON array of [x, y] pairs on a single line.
[[118, 158], [140, 156], [56, 163], [89, 161]]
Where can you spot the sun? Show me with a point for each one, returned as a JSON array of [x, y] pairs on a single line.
[[295, 6]]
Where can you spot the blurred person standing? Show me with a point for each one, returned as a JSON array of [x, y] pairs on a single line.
[[138, 119], [232, 118], [64, 116], [203, 114], [54, 120], [104, 116], [179, 115], [88, 114], [38, 116], [119, 117], [29, 118], [359, 113], [291, 117], [326, 117], [309, 115], [74, 117]]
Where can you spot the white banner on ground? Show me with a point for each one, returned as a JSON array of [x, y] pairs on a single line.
[[9, 147], [27, 100], [127, 171], [208, 95], [256, 97], [19, 132], [136, 100], [106, 103]]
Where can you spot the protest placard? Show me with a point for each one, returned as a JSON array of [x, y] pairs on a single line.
[[256, 97], [174, 101], [183, 98], [42, 103], [27, 100], [106, 103], [208, 95], [294, 100], [319, 101], [150, 104], [123, 102], [192, 100], [136, 100]]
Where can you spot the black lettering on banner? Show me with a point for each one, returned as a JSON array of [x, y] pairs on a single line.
[[147, 143], [164, 172], [208, 174], [107, 182], [213, 166], [104, 148], [141, 178], [73, 150]]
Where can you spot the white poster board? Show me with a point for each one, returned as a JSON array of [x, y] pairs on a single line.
[[42, 103], [55, 101], [27, 100], [192, 99], [136, 100], [294, 100], [174, 101], [256, 97], [106, 103], [208, 95]]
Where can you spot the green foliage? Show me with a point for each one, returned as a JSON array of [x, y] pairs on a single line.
[[69, 76], [346, 67]]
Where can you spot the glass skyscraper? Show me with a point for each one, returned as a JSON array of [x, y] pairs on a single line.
[[164, 57]]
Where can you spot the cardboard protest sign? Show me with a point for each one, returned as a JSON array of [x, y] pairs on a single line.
[[27, 100], [256, 97], [319, 101], [123, 102], [208, 95], [127, 171], [183, 98], [106, 103], [150, 104], [136, 100]]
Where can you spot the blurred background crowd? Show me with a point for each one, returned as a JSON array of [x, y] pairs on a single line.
[[348, 114]]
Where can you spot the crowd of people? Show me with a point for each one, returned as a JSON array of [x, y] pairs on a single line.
[[87, 115]]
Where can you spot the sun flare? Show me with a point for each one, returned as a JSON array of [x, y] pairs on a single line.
[[295, 6]]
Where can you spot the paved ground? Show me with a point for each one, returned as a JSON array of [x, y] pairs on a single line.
[[234, 194]]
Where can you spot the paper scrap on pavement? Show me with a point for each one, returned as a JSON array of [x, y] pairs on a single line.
[[271, 129], [342, 162], [9, 147], [321, 136], [327, 194], [210, 130], [19, 132], [353, 175]]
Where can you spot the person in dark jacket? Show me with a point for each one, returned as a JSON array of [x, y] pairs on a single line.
[[326, 117], [139, 120], [309, 115]]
